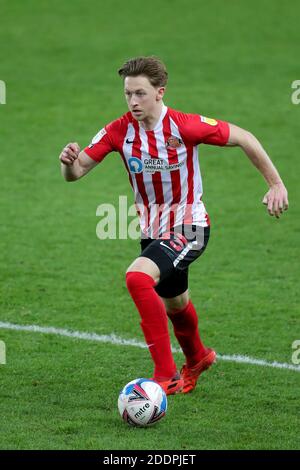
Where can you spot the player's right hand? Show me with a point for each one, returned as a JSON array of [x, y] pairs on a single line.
[[70, 153]]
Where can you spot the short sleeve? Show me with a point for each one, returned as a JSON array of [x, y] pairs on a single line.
[[100, 145], [200, 129]]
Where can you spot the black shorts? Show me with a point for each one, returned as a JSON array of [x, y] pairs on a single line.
[[173, 252]]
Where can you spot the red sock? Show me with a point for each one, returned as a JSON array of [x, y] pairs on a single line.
[[185, 325], [154, 323]]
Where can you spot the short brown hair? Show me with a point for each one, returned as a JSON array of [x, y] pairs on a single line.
[[152, 67]]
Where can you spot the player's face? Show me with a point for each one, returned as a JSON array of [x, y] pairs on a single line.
[[141, 96]]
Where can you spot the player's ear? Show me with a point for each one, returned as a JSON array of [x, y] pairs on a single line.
[[160, 92]]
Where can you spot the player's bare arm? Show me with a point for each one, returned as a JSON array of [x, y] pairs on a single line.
[[75, 163], [276, 199]]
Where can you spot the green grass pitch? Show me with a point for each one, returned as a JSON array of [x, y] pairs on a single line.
[[233, 60]]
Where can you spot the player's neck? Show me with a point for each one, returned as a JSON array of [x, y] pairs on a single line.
[[149, 123]]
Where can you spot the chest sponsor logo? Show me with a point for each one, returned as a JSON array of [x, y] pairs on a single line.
[[151, 165], [135, 165], [158, 164]]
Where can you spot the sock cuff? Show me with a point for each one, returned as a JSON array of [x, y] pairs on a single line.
[[138, 277]]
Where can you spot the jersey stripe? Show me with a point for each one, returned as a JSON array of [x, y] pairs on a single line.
[[175, 175], [148, 182], [136, 152], [138, 197], [188, 216], [197, 183], [157, 184], [182, 155]]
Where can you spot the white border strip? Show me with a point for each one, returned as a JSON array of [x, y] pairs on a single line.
[[114, 339]]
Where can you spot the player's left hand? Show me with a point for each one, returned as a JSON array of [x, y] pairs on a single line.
[[276, 200]]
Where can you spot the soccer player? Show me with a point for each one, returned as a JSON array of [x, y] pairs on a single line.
[[159, 148]]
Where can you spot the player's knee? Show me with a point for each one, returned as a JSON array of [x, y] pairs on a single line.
[[176, 309], [146, 266], [177, 304]]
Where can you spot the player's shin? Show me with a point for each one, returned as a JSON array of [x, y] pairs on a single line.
[[154, 323], [185, 323]]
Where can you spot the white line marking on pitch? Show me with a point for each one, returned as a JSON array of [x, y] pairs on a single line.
[[114, 339]]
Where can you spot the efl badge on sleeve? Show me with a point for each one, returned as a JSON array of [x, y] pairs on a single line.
[[211, 122]]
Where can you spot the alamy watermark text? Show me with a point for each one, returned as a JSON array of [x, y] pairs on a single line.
[[296, 94], [2, 92], [2, 353]]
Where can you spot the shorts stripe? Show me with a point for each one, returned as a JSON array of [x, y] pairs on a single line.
[[183, 253]]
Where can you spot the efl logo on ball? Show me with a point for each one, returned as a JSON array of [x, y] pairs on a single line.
[[142, 402]]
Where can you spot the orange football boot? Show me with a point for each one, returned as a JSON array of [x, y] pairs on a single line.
[[172, 386], [190, 375]]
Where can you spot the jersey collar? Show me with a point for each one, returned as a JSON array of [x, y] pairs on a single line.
[[158, 124]]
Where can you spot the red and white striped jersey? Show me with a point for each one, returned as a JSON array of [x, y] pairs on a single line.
[[162, 165]]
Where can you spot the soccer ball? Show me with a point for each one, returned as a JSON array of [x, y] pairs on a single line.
[[142, 402]]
